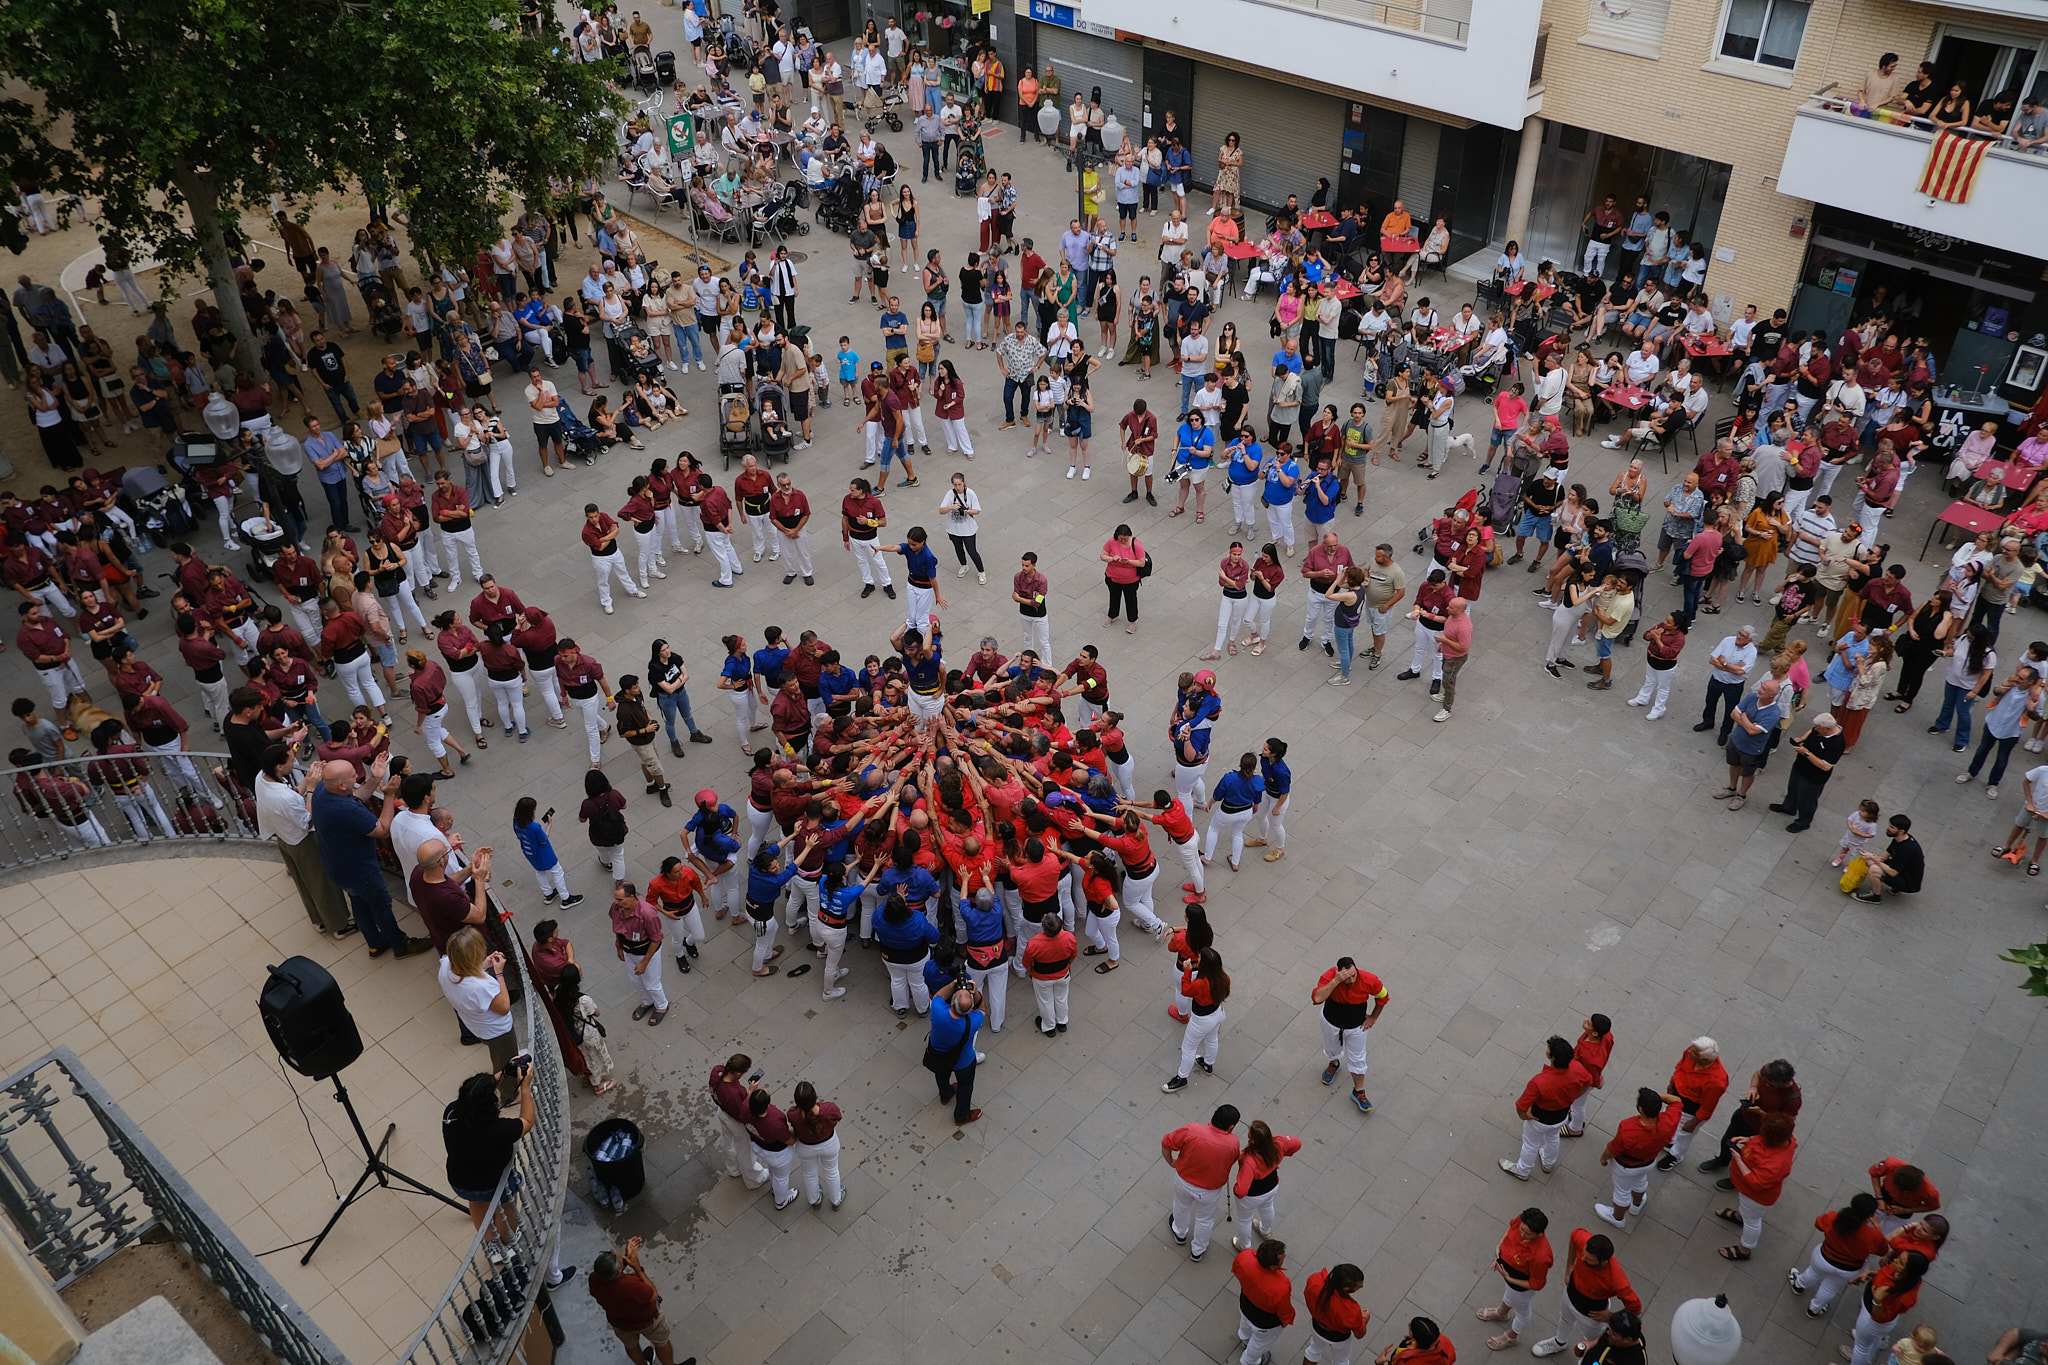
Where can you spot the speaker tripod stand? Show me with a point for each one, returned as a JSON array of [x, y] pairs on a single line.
[[375, 1166]]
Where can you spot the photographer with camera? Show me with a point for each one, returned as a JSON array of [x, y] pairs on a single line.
[[480, 1145], [951, 1051]]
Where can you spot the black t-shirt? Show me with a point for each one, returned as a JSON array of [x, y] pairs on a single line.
[[1235, 398], [327, 362], [970, 285], [575, 332], [1541, 499], [246, 743], [1827, 748], [477, 1156], [1908, 864]]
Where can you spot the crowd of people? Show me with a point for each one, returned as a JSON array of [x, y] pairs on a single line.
[[977, 818]]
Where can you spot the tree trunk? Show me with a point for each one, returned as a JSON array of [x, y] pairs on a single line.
[[203, 199]]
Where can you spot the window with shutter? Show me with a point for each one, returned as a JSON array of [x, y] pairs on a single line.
[[1631, 26]]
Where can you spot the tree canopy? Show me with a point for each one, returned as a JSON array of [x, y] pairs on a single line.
[[176, 115]]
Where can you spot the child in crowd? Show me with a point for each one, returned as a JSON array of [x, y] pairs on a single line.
[[540, 852], [1863, 826], [849, 371]]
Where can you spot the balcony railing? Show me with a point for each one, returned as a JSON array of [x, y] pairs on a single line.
[[60, 1136], [1448, 21], [78, 809], [59, 810]]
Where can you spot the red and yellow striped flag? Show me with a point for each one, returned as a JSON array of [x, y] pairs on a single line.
[[1952, 167]]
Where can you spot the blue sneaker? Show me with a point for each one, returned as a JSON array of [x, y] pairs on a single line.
[[1330, 1073], [525, 735], [1364, 1104]]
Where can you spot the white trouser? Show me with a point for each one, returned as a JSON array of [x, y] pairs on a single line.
[[802, 905], [225, 504], [1038, 636], [1230, 614], [539, 337], [457, 546], [511, 706], [591, 708], [1346, 1045], [1123, 777], [1190, 856], [395, 604], [464, 683], [131, 292], [1563, 618], [1681, 1142], [833, 938], [724, 890], [1631, 1184], [612, 858], [648, 549], [1137, 898], [690, 924], [779, 1165], [500, 474], [693, 522], [1280, 522], [63, 682], [306, 616], [799, 547], [666, 532], [1244, 502], [1824, 1278], [732, 1140], [871, 436], [1260, 617], [917, 607], [87, 833], [1258, 1341], [1573, 1326], [1522, 1304], [1051, 999], [1204, 1034], [766, 932], [1796, 500], [1272, 821], [994, 985], [1656, 689], [1539, 1146], [728, 558], [1194, 1212], [1102, 932], [955, 429], [648, 983], [1230, 823], [1824, 478], [743, 710], [759, 823], [434, 730], [1426, 651], [764, 541], [1319, 620], [360, 682], [140, 803], [820, 1164], [913, 428], [1596, 258], [606, 567], [1868, 1339], [1752, 1220], [906, 986], [1188, 783], [1576, 1121], [53, 599], [1255, 1211], [545, 683], [553, 880]]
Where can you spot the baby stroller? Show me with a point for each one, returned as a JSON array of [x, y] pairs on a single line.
[[645, 361], [385, 319], [265, 537], [1504, 500], [967, 166], [773, 446], [739, 49], [838, 206], [642, 63], [579, 438], [735, 423], [886, 113], [775, 215], [664, 69], [157, 507]]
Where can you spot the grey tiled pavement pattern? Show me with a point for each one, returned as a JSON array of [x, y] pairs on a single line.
[[1545, 855]]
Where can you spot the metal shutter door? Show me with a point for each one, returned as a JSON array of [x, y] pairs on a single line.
[[1083, 60], [1418, 167], [1290, 136]]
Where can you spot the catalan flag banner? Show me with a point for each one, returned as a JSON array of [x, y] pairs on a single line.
[[1952, 167]]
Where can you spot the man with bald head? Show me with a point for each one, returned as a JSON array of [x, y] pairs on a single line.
[[1749, 741], [447, 897], [348, 836]]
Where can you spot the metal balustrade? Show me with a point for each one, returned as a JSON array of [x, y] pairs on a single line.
[[57, 811]]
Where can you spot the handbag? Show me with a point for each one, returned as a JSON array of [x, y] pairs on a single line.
[[386, 447], [927, 352], [1145, 569]]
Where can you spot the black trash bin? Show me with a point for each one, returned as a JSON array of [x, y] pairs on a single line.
[[625, 1173]]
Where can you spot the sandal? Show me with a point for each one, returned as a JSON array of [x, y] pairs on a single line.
[[1728, 1216], [1092, 951], [1259, 648], [1734, 1253], [642, 1012], [1176, 511], [1494, 1314], [765, 971], [1903, 707], [1105, 968], [656, 1017], [2033, 869], [1199, 518]]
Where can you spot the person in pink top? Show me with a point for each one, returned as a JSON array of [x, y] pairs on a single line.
[[1123, 565], [1455, 646]]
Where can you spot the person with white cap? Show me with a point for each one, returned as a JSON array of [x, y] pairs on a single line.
[[1699, 1080]]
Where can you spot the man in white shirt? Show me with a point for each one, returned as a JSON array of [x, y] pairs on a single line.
[[898, 41], [1194, 363], [591, 286], [1850, 397], [1642, 364], [1729, 667], [284, 813], [1423, 320], [414, 824]]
